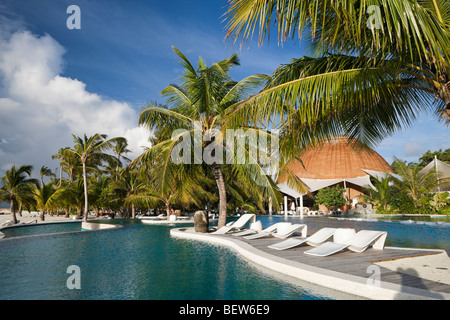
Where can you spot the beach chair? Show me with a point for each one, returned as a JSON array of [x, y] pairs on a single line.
[[359, 242], [236, 225], [255, 227], [280, 230], [263, 232], [314, 240]]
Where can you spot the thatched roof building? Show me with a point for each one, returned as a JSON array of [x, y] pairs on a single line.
[[336, 162]]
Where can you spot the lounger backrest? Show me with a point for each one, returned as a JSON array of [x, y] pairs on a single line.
[[283, 227], [322, 235], [257, 226], [365, 237], [239, 223], [343, 235]]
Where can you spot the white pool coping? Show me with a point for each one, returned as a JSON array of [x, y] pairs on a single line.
[[339, 281]]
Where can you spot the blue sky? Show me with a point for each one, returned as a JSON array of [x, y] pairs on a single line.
[[55, 81]]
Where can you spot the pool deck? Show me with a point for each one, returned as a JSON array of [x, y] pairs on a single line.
[[362, 274]]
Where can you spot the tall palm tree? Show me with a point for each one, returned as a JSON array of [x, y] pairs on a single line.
[[120, 148], [45, 171], [91, 149], [201, 105], [368, 79], [71, 164], [17, 185], [61, 156]]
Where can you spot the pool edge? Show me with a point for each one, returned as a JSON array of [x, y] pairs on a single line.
[[326, 278]]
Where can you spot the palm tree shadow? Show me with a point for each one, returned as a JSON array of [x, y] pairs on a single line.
[[411, 281]]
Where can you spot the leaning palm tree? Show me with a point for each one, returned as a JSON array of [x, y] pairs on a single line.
[[197, 116], [378, 63], [17, 185], [91, 149]]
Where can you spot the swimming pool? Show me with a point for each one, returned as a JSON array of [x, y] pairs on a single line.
[[134, 262], [141, 261]]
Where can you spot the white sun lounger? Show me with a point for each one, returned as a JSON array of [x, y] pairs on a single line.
[[236, 225], [357, 243], [254, 228], [280, 230], [314, 240]]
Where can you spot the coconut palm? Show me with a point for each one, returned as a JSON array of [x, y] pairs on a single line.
[[382, 194], [120, 148], [127, 185], [412, 181], [44, 199], [71, 164], [201, 106], [61, 156], [91, 149], [45, 171], [17, 185], [368, 79], [71, 194]]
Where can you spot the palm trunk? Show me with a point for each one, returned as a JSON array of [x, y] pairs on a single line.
[[13, 212], [60, 175], [222, 195], [86, 203], [168, 211], [133, 212]]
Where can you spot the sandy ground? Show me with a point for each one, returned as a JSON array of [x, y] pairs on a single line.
[[434, 267], [30, 216], [431, 267]]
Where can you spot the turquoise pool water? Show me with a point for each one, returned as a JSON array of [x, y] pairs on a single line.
[[134, 262], [141, 261]]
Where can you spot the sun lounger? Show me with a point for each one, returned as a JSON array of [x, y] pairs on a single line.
[[359, 242], [314, 240], [236, 225], [280, 230], [264, 232], [255, 227]]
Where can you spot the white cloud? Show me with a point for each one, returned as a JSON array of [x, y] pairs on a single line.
[[40, 109]]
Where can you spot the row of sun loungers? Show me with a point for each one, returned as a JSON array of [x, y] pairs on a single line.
[[342, 238]]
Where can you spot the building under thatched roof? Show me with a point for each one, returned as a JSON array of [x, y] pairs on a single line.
[[336, 162]]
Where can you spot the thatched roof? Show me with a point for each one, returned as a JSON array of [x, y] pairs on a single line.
[[338, 160]]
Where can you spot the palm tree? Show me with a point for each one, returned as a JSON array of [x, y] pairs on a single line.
[[16, 186], [128, 185], [61, 156], [382, 194], [91, 149], [202, 105], [412, 181], [43, 197], [45, 171], [71, 194], [71, 164], [368, 79], [119, 149]]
